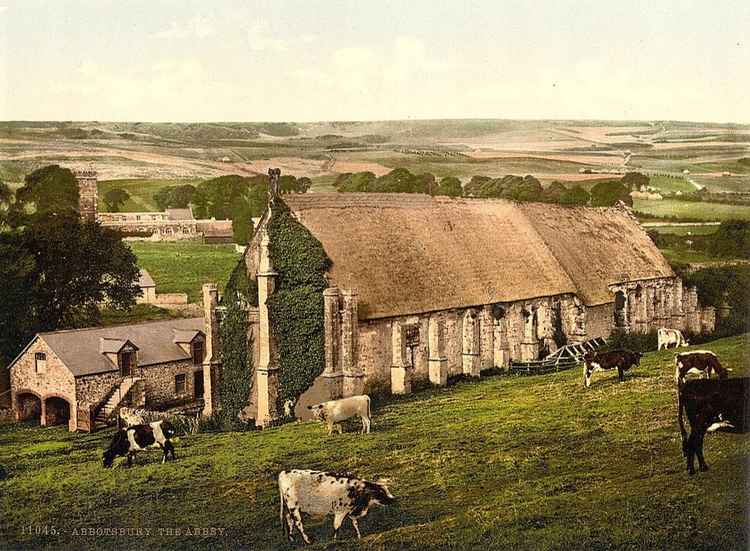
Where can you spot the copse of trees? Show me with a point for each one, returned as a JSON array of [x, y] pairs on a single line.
[[240, 198], [516, 188]]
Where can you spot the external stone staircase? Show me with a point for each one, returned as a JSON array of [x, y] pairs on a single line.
[[117, 395]]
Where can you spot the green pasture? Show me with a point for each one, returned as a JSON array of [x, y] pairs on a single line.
[[693, 210], [183, 267], [684, 230], [497, 463]]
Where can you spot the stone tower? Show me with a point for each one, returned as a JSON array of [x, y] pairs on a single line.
[[87, 180]]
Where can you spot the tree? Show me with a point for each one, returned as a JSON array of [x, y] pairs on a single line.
[[606, 194], [79, 266], [425, 183], [575, 196], [635, 180], [359, 181], [450, 186], [476, 186], [554, 192], [398, 180], [176, 197], [115, 198], [47, 190]]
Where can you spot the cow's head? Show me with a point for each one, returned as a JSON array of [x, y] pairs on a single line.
[[638, 356], [168, 429], [318, 412], [380, 494]]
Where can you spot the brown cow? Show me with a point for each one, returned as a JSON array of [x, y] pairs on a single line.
[[697, 362]]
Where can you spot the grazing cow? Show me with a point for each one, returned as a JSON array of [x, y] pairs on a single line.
[[126, 442], [711, 405], [335, 411], [697, 362], [600, 361], [670, 337], [319, 493]]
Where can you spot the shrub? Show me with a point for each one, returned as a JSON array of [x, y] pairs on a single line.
[[633, 341]]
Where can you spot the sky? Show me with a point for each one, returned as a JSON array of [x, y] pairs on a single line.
[[311, 60]]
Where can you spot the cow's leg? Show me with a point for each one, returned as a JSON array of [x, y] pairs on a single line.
[[169, 450], [356, 527], [297, 516], [330, 428], [621, 373], [131, 455], [366, 425], [699, 450], [689, 450], [338, 520], [340, 429]]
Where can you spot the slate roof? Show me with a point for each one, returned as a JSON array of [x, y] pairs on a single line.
[[79, 349], [409, 253]]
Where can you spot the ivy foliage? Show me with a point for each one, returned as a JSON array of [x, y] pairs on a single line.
[[296, 306], [236, 346]]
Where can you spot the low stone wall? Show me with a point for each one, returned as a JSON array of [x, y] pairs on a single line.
[[170, 299]]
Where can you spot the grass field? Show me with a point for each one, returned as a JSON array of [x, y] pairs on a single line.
[[185, 267], [682, 256], [498, 463], [670, 185], [684, 230], [141, 192], [692, 210]]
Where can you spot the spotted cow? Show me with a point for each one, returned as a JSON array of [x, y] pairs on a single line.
[[320, 493], [622, 360], [697, 362], [126, 442]]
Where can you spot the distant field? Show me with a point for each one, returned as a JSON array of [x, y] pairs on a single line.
[[669, 184], [681, 256], [684, 230], [697, 210], [185, 267], [723, 183], [141, 192]]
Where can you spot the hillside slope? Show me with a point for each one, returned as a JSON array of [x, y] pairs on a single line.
[[505, 462]]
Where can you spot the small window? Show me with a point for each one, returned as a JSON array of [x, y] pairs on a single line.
[[197, 352], [179, 384], [40, 362]]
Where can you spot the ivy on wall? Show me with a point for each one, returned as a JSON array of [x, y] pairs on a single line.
[[236, 346], [296, 306]]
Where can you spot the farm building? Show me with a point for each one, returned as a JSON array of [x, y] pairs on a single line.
[[429, 287], [79, 377]]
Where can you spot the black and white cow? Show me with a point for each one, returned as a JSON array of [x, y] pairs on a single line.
[[622, 360], [697, 362], [320, 493], [710, 405], [126, 442]]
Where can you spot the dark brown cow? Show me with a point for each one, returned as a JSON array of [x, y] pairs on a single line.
[[622, 360], [713, 404], [697, 361]]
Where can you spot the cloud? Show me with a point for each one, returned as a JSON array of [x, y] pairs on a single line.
[[261, 38], [196, 27]]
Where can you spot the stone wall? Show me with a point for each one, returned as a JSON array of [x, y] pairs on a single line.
[[160, 383], [92, 389], [55, 381]]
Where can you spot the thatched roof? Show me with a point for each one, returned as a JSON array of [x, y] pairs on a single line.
[[408, 253]]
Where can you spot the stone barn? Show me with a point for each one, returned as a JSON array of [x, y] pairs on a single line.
[[81, 377], [429, 287]]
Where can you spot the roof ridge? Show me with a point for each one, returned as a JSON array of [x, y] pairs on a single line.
[[115, 326]]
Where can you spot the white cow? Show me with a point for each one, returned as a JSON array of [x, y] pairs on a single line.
[[335, 411], [669, 337], [320, 493]]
